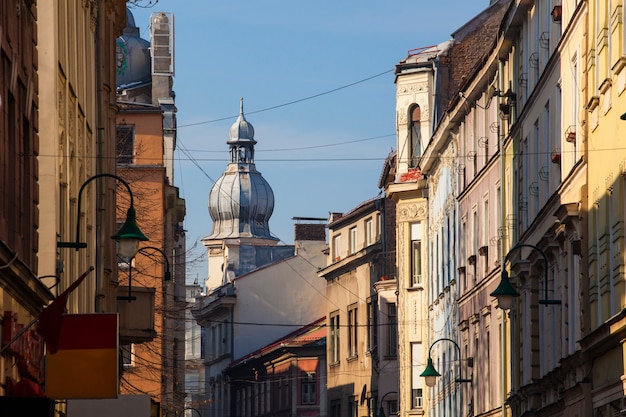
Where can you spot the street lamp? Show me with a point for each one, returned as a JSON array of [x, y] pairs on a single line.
[[129, 234], [430, 374], [166, 277], [381, 411], [168, 273], [505, 293]]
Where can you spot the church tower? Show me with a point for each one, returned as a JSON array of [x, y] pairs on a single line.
[[241, 203]]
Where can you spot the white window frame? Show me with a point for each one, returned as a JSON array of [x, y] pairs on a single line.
[[353, 240]]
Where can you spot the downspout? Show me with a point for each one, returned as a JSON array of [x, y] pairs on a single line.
[[100, 149], [502, 244]]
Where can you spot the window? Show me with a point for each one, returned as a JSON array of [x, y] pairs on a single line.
[[283, 392], [416, 380], [353, 240], [416, 254], [335, 408], [392, 407], [372, 323], [352, 331], [369, 232], [124, 144], [336, 247], [309, 395], [392, 330], [334, 338], [415, 137], [128, 355], [354, 407]]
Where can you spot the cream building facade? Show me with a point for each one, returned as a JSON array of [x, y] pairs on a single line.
[[604, 99], [439, 264], [362, 315], [415, 110]]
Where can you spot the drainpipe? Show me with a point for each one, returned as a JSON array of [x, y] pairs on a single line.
[[100, 149], [502, 243]]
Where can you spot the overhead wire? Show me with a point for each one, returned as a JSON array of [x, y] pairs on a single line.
[[289, 103]]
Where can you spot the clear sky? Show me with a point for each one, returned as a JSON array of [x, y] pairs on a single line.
[[318, 87]]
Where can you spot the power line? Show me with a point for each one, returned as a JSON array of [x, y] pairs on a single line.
[[290, 102]]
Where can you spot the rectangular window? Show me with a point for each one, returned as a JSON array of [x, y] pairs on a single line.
[[369, 232], [416, 254], [124, 144], [335, 408], [128, 355], [285, 393], [372, 323], [475, 232], [353, 240], [334, 338], [392, 330], [354, 407], [392, 407], [336, 247], [352, 331], [417, 367], [309, 395]]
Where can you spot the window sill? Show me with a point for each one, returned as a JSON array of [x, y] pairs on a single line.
[[352, 358]]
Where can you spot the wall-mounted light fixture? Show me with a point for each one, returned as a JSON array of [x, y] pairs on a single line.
[[430, 374], [505, 293], [381, 410], [129, 234], [166, 277]]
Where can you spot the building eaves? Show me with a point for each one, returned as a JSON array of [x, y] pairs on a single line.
[[389, 170], [365, 207], [130, 106], [311, 333]]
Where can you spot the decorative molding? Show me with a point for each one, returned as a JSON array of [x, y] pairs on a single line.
[[411, 212]]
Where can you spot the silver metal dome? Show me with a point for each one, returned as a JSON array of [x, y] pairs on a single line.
[[132, 56], [241, 201]]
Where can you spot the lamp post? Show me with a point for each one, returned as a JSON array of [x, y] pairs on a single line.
[[430, 374], [505, 293], [129, 234], [381, 410], [166, 277]]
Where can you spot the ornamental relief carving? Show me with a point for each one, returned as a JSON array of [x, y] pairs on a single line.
[[413, 211], [400, 251], [215, 251], [412, 88], [402, 115]]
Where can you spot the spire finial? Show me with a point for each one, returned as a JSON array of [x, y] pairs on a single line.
[[241, 105]]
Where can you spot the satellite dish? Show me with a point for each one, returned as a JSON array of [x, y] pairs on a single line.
[[364, 394]]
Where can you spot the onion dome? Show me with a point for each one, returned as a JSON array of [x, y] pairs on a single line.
[[241, 201], [132, 56]]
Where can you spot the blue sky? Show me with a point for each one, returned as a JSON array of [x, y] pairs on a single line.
[[324, 70]]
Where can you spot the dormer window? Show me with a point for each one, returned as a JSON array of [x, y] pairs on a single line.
[[415, 136]]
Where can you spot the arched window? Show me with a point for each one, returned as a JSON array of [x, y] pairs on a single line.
[[415, 137]]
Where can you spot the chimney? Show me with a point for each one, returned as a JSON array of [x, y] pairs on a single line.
[[310, 232]]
